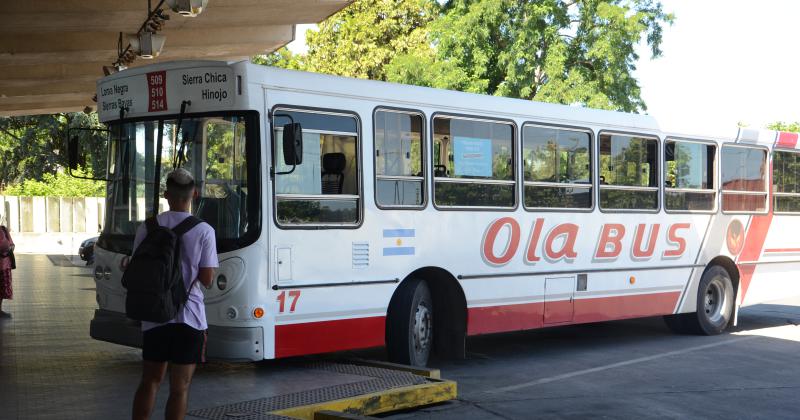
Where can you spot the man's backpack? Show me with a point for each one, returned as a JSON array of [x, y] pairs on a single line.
[[154, 277]]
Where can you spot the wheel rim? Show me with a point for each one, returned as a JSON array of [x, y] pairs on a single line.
[[715, 301], [422, 329]]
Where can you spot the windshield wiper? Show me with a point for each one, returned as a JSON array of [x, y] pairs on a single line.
[[180, 159]]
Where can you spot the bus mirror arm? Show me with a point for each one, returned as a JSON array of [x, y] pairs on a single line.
[[292, 146]]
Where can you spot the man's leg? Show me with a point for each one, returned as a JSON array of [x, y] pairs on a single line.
[[145, 399], [180, 376]]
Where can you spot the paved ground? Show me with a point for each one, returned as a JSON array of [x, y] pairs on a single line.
[[51, 369]]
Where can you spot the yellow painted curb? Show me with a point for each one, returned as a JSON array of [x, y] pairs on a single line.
[[434, 391], [431, 373]]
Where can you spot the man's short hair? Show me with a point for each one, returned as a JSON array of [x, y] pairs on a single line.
[[180, 184]]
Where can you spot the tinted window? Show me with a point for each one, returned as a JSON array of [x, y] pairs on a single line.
[[398, 159], [744, 187], [557, 168], [628, 172], [786, 179], [689, 176], [323, 189], [473, 163]]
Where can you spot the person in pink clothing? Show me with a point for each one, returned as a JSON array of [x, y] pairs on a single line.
[[6, 265], [180, 342]]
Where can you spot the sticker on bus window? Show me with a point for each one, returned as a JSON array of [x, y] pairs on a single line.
[[472, 156]]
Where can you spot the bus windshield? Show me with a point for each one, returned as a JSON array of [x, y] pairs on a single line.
[[221, 151]]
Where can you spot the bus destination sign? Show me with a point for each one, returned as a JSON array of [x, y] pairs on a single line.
[[208, 89]]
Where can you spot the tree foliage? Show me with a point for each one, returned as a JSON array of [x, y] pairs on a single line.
[[569, 52], [782, 126], [34, 147], [59, 184]]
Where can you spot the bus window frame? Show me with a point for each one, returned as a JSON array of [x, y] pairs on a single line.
[[273, 159], [423, 150], [775, 194], [659, 173], [715, 177], [594, 177], [767, 179], [514, 164]]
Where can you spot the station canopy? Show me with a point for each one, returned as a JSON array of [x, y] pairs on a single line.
[[53, 51]]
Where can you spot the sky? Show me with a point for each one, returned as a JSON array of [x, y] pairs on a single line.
[[723, 62]]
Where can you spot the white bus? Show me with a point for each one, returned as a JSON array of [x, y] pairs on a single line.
[[353, 214]]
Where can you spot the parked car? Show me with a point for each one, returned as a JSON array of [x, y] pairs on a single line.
[[86, 250]]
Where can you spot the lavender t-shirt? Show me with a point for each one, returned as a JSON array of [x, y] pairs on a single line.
[[198, 249]]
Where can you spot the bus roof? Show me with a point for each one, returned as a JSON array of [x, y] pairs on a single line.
[[395, 94]]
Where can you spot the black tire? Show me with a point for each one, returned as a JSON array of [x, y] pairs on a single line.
[[409, 324], [714, 306]]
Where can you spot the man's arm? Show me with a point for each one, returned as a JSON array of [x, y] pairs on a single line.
[[208, 258], [206, 276]]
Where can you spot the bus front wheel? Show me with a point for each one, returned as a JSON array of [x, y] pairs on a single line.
[[409, 326], [714, 306]]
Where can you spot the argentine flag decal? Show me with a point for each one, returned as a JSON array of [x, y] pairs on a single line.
[[397, 241]]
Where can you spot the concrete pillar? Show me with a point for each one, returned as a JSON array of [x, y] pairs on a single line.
[[11, 211], [101, 212], [66, 214], [26, 214], [53, 214], [39, 208], [90, 214], [79, 215]]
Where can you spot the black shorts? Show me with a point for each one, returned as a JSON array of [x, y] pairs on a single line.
[[175, 343]]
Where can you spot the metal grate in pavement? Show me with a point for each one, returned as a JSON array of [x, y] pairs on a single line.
[[377, 379]]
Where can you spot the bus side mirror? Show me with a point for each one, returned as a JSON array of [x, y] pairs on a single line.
[[72, 153], [292, 144], [87, 153]]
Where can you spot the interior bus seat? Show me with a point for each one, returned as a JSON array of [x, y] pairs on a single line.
[[333, 165]]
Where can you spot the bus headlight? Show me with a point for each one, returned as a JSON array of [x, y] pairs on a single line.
[[98, 272], [107, 273], [222, 282]]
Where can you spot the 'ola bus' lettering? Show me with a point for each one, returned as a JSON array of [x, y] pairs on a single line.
[[560, 242]]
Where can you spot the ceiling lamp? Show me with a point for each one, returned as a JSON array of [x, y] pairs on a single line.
[[188, 8], [148, 44]]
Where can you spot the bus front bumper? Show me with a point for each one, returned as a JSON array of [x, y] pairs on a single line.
[[224, 343]]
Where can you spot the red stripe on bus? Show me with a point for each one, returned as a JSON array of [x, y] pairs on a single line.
[[504, 318], [787, 140], [328, 336], [782, 250], [622, 307], [754, 241]]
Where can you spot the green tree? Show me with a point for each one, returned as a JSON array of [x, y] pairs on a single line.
[[782, 126], [59, 184], [361, 39], [33, 146], [569, 52]]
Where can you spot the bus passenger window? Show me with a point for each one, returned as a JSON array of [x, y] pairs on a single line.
[[629, 166], [324, 188], [399, 178], [786, 177], [473, 163], [689, 176], [557, 168], [744, 179]]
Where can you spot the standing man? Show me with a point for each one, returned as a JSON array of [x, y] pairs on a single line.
[[179, 343]]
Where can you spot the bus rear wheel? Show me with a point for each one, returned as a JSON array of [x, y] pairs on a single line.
[[714, 306], [409, 325]]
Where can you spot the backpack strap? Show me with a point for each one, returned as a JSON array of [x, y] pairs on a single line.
[[188, 224], [151, 223]]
